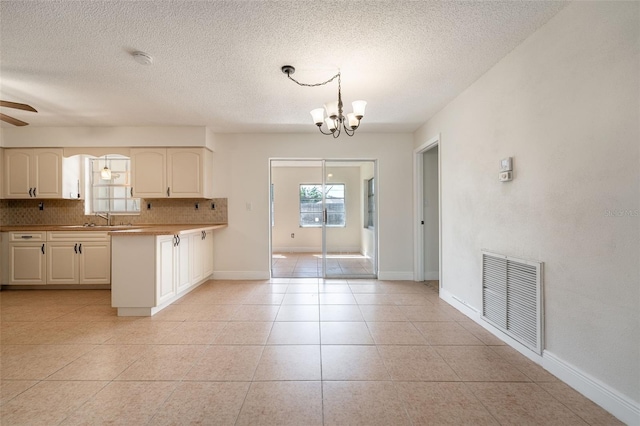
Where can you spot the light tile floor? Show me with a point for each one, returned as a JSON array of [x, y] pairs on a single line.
[[282, 352], [309, 265]]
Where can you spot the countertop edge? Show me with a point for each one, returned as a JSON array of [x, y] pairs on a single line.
[[167, 229]]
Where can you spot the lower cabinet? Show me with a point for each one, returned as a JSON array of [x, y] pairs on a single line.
[[149, 272], [27, 263], [78, 258], [58, 257]]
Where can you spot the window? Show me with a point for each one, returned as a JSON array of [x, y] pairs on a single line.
[[371, 202], [113, 195], [311, 205]]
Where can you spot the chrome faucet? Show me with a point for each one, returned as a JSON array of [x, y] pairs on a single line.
[[106, 216]]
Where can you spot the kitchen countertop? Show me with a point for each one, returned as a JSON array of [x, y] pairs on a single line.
[[119, 230]]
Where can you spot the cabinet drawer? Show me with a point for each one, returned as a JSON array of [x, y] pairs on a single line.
[[78, 236], [27, 236]]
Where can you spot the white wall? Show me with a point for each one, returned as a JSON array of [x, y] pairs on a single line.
[[430, 214], [241, 174], [565, 105], [367, 237], [286, 181], [36, 137]]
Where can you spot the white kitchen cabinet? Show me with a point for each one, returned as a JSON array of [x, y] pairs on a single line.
[[62, 263], [40, 173], [149, 172], [149, 272], [27, 258], [165, 268], [197, 265], [173, 266], [95, 263], [171, 172], [78, 258], [207, 254]]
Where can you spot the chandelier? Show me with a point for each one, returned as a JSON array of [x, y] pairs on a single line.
[[335, 121]]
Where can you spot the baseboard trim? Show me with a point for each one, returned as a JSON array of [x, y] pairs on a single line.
[[395, 275], [618, 404], [611, 400], [241, 275], [431, 275], [354, 249]]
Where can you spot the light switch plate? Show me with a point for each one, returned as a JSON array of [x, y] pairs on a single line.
[[506, 164]]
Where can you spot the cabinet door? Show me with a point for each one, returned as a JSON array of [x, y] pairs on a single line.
[[17, 173], [95, 262], [207, 254], [197, 265], [148, 172], [46, 173], [183, 267], [27, 263], [184, 172], [165, 279], [62, 263]]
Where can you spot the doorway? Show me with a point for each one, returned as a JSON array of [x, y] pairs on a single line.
[[428, 217], [323, 220]]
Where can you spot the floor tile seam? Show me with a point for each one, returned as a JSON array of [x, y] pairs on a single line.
[[86, 401], [481, 403], [37, 382]]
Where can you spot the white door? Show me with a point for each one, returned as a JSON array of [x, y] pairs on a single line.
[[184, 172], [183, 255], [165, 278], [17, 177], [46, 170], [149, 172]]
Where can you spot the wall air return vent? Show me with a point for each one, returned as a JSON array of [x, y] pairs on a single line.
[[512, 298]]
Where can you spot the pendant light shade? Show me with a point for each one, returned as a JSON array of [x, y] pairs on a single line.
[[105, 173]]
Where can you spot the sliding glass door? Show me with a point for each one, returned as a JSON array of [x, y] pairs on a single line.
[[323, 218]]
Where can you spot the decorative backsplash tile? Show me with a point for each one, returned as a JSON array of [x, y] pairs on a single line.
[[71, 212]]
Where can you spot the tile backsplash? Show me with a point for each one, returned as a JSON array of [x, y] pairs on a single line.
[[71, 212]]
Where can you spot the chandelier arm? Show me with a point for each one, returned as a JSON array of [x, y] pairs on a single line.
[[323, 132], [346, 130]]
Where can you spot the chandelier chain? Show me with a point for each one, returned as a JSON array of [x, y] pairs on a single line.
[[316, 84]]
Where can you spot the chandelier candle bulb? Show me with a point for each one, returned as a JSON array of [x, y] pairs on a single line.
[[354, 121], [332, 109], [331, 123], [358, 108], [318, 116]]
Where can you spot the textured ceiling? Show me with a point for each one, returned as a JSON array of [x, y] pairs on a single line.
[[217, 63]]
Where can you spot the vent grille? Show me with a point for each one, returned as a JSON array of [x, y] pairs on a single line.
[[512, 297]]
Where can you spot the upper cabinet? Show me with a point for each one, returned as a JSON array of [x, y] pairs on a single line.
[[172, 172], [40, 173]]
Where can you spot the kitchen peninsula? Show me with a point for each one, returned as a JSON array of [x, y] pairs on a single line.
[[152, 267]]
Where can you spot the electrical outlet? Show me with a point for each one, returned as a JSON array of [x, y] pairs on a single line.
[[505, 176], [293, 235], [197, 206], [213, 206], [148, 206], [40, 206]]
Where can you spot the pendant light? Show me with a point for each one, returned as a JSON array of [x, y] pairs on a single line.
[[105, 173]]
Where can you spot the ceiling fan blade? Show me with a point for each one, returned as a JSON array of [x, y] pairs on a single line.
[[17, 105], [12, 120]]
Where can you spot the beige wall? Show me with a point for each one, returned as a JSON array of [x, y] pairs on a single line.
[[565, 104], [241, 173]]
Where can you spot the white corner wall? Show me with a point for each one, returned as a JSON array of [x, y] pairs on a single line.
[[565, 104], [241, 174]]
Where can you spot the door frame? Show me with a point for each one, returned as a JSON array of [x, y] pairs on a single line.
[[418, 203], [323, 161]]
